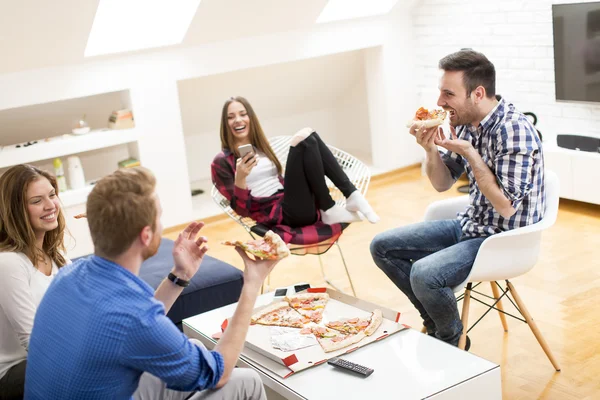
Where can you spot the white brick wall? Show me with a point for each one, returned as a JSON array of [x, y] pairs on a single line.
[[516, 35]]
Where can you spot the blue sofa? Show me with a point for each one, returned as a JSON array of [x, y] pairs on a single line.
[[216, 284]]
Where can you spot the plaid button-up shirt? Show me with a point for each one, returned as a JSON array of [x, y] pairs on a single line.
[[510, 146], [268, 210]]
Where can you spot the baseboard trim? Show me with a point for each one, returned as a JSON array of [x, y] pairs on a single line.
[[208, 220], [394, 172]]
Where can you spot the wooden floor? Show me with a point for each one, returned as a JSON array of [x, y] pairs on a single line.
[[562, 292]]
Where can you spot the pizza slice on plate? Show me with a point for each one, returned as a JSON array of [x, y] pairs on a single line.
[[269, 247], [356, 325], [332, 340], [278, 314], [428, 118], [310, 305]]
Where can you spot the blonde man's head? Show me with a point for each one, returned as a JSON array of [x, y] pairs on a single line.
[[119, 207]]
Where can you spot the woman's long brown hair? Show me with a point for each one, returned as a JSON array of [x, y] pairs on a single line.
[[257, 136], [16, 232]]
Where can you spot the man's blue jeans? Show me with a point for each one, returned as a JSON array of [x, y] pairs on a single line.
[[425, 260]]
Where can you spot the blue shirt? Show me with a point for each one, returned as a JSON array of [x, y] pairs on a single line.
[[98, 328], [510, 146]]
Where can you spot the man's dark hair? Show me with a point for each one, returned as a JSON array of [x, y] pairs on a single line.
[[477, 70]]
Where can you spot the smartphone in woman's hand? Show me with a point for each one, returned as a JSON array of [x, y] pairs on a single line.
[[245, 149]]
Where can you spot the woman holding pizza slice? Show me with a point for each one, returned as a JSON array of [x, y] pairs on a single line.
[[256, 186]]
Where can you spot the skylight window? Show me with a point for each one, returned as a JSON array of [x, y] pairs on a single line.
[[336, 10], [127, 25]]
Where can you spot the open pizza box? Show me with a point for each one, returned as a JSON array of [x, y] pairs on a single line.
[[339, 306]]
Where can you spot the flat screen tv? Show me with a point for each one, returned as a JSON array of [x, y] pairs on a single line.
[[577, 51]]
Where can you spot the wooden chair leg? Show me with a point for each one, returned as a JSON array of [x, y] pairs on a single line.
[[499, 306], [533, 326], [346, 268], [465, 317]]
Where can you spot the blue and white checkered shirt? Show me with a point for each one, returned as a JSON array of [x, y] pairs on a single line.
[[509, 144]]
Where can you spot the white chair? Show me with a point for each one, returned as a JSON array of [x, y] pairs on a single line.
[[503, 256], [359, 175]]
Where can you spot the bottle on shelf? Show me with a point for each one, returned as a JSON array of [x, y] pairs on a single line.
[[76, 176], [60, 175]]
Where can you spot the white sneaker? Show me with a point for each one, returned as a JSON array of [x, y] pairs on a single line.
[[338, 214], [357, 202]]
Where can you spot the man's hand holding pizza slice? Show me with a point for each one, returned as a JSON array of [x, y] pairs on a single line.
[[270, 247], [428, 118], [425, 127]]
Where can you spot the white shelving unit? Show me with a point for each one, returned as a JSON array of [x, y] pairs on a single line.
[[65, 145], [99, 151], [74, 197], [578, 172]]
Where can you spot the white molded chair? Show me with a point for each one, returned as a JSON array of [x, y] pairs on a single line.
[[503, 256], [357, 171]]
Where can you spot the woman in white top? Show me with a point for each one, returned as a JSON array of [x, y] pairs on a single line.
[[31, 246]]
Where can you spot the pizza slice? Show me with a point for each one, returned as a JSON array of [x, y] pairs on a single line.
[[311, 305], [332, 340], [428, 118], [278, 314], [269, 247], [357, 325]]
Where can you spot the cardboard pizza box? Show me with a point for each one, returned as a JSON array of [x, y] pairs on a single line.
[[339, 306]]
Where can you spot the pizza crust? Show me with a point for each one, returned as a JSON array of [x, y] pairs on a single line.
[[428, 122], [376, 320], [281, 247], [329, 346], [268, 309], [305, 296]]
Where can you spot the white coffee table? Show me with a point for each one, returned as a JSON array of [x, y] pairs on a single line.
[[408, 365]]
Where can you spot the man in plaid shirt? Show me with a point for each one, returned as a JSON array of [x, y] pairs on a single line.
[[501, 153]]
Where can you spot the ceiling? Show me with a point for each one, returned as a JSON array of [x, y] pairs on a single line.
[[35, 34], [274, 91]]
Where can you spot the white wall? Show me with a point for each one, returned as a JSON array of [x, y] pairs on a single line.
[[517, 36], [57, 118], [162, 147], [326, 93], [353, 130], [392, 96]]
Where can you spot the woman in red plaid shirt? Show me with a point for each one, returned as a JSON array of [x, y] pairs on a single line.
[[297, 204]]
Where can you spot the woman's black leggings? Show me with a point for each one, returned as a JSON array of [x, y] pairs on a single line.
[[305, 190]]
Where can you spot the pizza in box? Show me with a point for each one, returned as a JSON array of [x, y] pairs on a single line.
[[305, 311]]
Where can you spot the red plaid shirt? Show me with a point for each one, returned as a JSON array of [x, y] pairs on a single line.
[[267, 211]]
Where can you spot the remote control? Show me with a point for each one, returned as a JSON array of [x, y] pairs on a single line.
[[349, 365]]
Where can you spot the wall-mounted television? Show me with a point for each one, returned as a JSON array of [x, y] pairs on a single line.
[[576, 29]]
